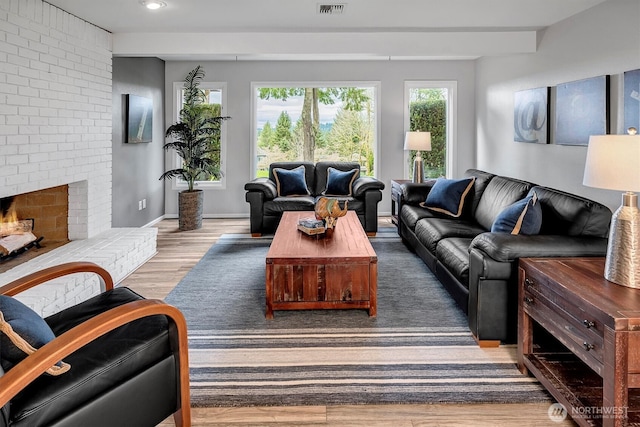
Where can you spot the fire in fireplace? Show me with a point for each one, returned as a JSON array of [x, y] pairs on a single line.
[[48, 210], [16, 235]]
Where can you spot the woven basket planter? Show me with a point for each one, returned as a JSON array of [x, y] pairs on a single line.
[[190, 210]]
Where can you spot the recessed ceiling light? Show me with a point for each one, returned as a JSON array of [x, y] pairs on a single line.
[[153, 4]]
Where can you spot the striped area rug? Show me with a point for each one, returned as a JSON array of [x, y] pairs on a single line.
[[417, 350]]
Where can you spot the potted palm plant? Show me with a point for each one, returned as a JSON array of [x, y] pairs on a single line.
[[194, 138]]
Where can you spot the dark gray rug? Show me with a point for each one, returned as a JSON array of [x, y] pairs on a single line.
[[417, 350]]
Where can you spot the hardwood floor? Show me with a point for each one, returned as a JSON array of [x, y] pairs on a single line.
[[178, 252]]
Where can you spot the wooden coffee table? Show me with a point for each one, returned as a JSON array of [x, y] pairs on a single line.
[[309, 272]]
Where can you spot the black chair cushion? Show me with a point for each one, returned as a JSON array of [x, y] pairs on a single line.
[[482, 179], [453, 253], [412, 214], [564, 213], [432, 231], [499, 193], [279, 205], [97, 367]]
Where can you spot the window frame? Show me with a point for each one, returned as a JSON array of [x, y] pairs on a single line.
[[452, 119], [221, 184], [335, 83]]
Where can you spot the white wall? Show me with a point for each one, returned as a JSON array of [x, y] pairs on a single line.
[[604, 40], [55, 110], [390, 74]]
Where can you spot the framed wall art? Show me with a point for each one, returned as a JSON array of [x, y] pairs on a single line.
[[582, 110], [632, 99], [139, 119], [531, 116]]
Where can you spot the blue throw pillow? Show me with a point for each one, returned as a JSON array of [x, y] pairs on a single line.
[[340, 183], [22, 332], [291, 182], [522, 217], [447, 195]]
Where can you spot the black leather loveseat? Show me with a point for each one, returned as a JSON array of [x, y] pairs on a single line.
[[268, 198], [478, 267]]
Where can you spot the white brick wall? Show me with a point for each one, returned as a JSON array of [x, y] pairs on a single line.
[[55, 129], [55, 109]]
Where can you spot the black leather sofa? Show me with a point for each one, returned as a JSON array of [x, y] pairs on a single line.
[[479, 268], [266, 206]]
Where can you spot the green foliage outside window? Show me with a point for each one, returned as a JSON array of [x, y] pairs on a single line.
[[195, 138], [211, 111], [430, 115], [349, 137]]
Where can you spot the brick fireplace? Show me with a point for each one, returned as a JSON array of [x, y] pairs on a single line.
[[56, 133]]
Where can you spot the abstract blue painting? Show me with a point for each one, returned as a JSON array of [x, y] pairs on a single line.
[[582, 109], [632, 99]]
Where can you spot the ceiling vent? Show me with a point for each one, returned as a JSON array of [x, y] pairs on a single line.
[[331, 9]]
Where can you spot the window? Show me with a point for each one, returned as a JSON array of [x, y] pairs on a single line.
[[315, 122], [216, 96], [429, 108]]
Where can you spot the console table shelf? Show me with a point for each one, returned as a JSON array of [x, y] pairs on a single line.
[[579, 335]]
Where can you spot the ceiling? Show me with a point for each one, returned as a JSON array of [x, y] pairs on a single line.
[[293, 29]]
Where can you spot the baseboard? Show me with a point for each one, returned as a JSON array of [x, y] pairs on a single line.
[[154, 222]]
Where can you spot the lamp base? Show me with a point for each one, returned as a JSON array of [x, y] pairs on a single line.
[[622, 265], [418, 170]]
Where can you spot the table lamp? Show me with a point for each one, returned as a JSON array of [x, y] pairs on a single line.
[[613, 163], [418, 141]]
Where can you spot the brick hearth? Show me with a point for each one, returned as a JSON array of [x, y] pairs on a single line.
[[119, 250]]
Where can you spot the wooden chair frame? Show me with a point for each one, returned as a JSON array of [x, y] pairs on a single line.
[[22, 374]]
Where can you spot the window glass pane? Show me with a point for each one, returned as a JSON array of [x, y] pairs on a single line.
[[315, 124], [428, 113], [212, 107]]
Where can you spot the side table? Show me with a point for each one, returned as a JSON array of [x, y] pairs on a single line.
[[579, 335], [396, 195]]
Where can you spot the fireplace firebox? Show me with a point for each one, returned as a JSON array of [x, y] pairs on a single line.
[[33, 223]]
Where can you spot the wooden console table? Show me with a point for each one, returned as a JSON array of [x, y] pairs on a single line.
[[579, 334]]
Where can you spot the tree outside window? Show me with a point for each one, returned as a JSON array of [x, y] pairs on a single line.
[[315, 124]]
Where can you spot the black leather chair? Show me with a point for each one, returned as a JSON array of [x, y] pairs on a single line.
[[266, 206], [128, 357]]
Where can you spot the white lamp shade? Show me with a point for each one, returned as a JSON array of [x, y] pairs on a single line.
[[613, 162], [420, 141]]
